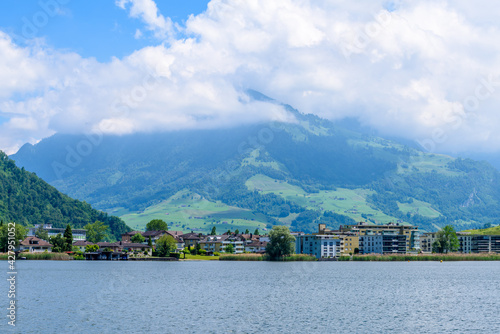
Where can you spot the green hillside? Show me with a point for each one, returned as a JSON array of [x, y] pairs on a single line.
[[486, 231], [28, 200]]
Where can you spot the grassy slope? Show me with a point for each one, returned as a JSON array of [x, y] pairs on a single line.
[[487, 231], [188, 211]]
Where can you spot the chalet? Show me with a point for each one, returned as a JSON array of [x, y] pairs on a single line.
[[190, 239], [81, 244], [34, 244]]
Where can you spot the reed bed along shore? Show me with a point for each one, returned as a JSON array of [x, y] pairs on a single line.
[[40, 256], [263, 257], [424, 257]]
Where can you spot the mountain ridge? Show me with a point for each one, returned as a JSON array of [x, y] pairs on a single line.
[[355, 175]]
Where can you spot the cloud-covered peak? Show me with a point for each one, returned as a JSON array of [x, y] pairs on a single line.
[[426, 70]]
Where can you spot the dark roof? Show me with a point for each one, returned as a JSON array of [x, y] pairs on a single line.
[[121, 244], [29, 241], [131, 245], [190, 236], [257, 244], [175, 233], [82, 243], [132, 233], [107, 244], [152, 233]]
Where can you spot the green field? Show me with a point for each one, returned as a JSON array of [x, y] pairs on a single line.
[[419, 207], [486, 231], [187, 211], [349, 202]]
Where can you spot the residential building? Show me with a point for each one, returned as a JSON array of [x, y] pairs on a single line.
[[34, 245], [349, 244], [465, 241], [320, 246], [383, 242], [81, 244], [191, 239], [256, 247], [213, 243], [78, 234], [485, 244], [411, 232], [121, 246]]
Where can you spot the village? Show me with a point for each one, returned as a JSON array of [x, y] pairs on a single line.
[[361, 238]]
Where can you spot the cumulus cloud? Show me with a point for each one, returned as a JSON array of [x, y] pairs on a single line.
[[427, 71], [147, 11]]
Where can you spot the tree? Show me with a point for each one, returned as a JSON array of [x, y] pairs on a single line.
[[229, 249], [166, 245], [237, 231], [138, 238], [42, 233], [68, 239], [150, 243], [91, 248], [280, 242], [247, 231], [19, 235], [96, 231], [446, 240], [156, 225], [214, 231], [256, 231], [58, 243]]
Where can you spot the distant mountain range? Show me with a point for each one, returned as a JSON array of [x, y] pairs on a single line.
[[298, 173], [28, 200]]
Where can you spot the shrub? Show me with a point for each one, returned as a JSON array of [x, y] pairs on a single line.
[[145, 252], [175, 255], [216, 254], [203, 252]]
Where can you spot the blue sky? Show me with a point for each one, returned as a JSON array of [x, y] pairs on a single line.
[[91, 28], [424, 70]]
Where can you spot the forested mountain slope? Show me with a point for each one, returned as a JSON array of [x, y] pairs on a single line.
[[28, 200]]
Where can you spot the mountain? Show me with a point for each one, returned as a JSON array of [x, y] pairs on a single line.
[[28, 200], [300, 172]]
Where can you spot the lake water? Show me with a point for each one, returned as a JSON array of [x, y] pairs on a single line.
[[254, 297]]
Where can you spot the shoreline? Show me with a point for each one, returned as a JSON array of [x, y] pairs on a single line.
[[451, 257]]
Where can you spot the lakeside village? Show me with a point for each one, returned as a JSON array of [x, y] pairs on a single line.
[[326, 244]]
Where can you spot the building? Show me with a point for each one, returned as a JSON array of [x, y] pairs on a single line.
[[78, 234], [214, 243], [349, 244], [81, 244], [465, 241], [320, 246], [411, 232], [190, 239], [34, 245], [256, 247], [120, 246], [384, 242], [485, 244]]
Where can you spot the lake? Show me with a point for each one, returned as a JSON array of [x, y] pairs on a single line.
[[254, 297]]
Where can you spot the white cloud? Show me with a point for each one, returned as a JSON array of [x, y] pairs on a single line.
[[147, 11], [424, 69]]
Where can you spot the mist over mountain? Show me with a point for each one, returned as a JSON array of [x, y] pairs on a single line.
[[297, 173]]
